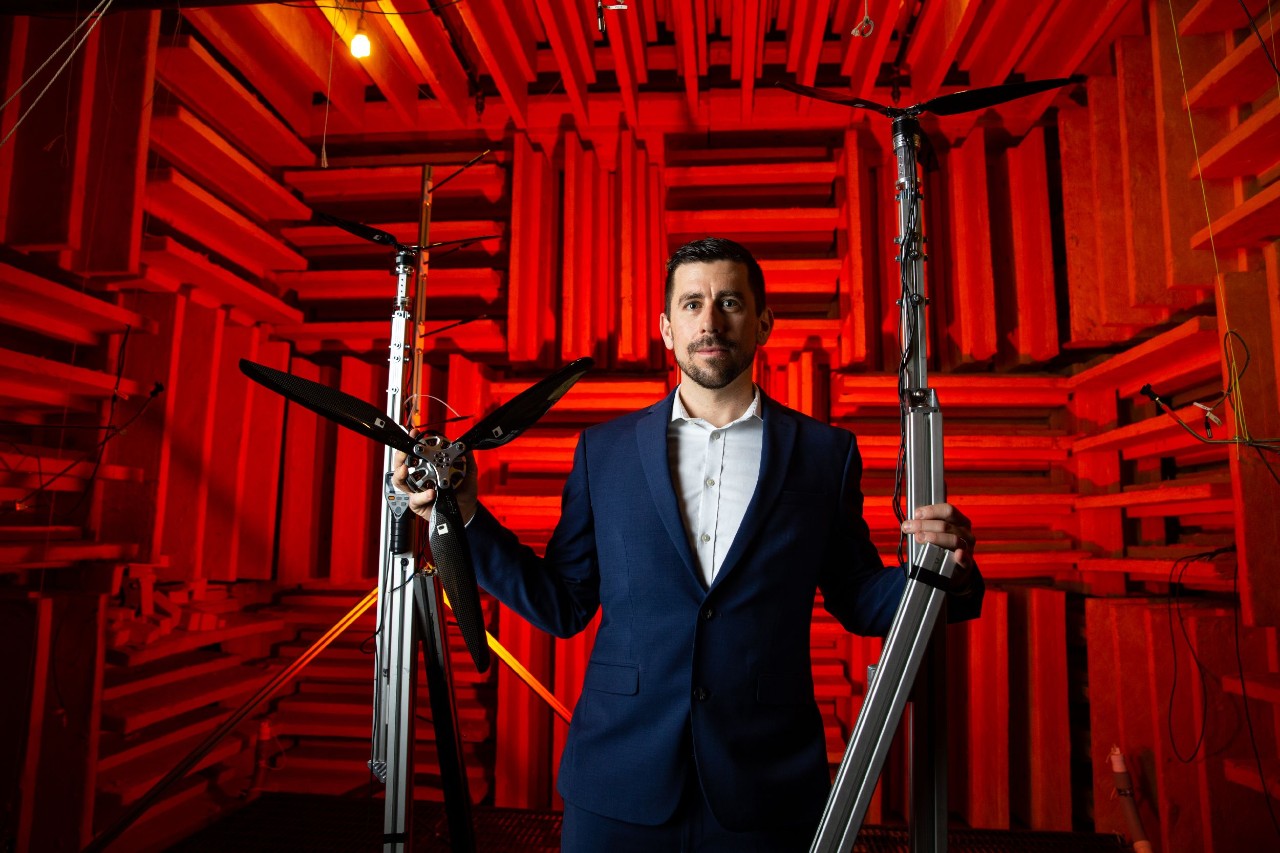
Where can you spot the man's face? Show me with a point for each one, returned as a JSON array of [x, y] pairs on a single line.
[[711, 324]]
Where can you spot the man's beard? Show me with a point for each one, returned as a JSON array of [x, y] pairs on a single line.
[[720, 372]]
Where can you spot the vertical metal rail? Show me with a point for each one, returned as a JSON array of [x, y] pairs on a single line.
[[928, 573], [412, 614], [927, 740], [395, 677]]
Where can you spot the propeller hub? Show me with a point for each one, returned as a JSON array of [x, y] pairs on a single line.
[[445, 461]]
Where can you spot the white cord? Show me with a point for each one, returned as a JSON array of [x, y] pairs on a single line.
[[55, 52], [413, 397], [866, 26], [105, 5]]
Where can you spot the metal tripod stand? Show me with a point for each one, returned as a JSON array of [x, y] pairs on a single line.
[[908, 649], [928, 576], [411, 611]]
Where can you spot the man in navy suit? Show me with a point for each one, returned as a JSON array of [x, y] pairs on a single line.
[[701, 528]]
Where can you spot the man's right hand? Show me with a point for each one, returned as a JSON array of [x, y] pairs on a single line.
[[421, 502]]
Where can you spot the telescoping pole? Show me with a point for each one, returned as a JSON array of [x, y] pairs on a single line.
[[929, 569]]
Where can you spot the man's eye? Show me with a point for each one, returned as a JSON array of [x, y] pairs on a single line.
[[729, 303], [692, 306]]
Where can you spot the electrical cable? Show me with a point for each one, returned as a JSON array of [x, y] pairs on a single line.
[[911, 245], [111, 413], [1253, 24], [1230, 397], [1204, 195], [139, 806], [385, 14], [156, 390], [1175, 607], [1244, 693], [1242, 436], [1267, 464]]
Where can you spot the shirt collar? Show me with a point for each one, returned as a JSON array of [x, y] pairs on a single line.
[[680, 413]]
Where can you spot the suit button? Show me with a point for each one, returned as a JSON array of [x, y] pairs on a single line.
[[702, 694], [708, 613]]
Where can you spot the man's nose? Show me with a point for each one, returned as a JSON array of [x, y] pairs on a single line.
[[711, 319]]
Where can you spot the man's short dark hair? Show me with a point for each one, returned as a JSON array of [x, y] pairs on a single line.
[[710, 249]]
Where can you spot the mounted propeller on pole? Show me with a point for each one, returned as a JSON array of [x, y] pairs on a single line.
[[913, 653], [410, 608]]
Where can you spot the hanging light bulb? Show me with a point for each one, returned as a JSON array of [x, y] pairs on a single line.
[[360, 41]]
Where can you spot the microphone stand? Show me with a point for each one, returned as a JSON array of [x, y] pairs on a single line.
[[410, 608], [908, 649]]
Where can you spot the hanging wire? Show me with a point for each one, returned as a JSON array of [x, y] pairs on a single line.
[[394, 14], [1176, 573], [89, 17], [1242, 431], [328, 100], [1244, 701], [112, 433], [1253, 24], [95, 16]]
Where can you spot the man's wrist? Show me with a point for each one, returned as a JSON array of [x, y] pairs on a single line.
[[965, 585]]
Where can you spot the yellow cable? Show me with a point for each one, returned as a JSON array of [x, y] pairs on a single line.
[[524, 674], [1237, 404]]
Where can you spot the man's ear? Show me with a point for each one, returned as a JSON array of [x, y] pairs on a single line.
[[765, 326], [664, 328]]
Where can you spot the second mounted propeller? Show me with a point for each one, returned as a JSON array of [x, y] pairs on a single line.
[[950, 104], [435, 462]]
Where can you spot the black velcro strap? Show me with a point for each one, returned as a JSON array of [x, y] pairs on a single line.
[[927, 576]]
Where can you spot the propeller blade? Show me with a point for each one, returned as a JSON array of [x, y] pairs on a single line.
[[979, 99], [452, 557], [837, 98], [364, 232], [464, 242], [341, 408], [523, 410]]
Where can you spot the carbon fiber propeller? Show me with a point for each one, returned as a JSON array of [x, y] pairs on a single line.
[[385, 238], [507, 421], [342, 409], [449, 546], [943, 105]]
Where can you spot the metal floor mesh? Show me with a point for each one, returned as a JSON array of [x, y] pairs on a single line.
[[276, 822]]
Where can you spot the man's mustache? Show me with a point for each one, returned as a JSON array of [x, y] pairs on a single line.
[[709, 343]]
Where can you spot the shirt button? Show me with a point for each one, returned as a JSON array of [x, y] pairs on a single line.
[[706, 537], [710, 482], [702, 694], [715, 436]]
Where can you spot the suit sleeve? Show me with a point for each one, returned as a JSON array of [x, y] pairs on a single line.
[[856, 586], [558, 593]]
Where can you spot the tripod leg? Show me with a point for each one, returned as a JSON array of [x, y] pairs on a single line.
[[397, 717], [886, 696], [928, 747], [429, 614]]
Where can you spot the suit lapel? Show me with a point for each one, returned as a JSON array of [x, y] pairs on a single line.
[[651, 435], [779, 437]]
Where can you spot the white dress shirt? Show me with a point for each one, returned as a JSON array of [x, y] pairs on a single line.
[[714, 471]]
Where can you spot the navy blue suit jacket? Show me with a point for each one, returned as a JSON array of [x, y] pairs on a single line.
[[679, 671]]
